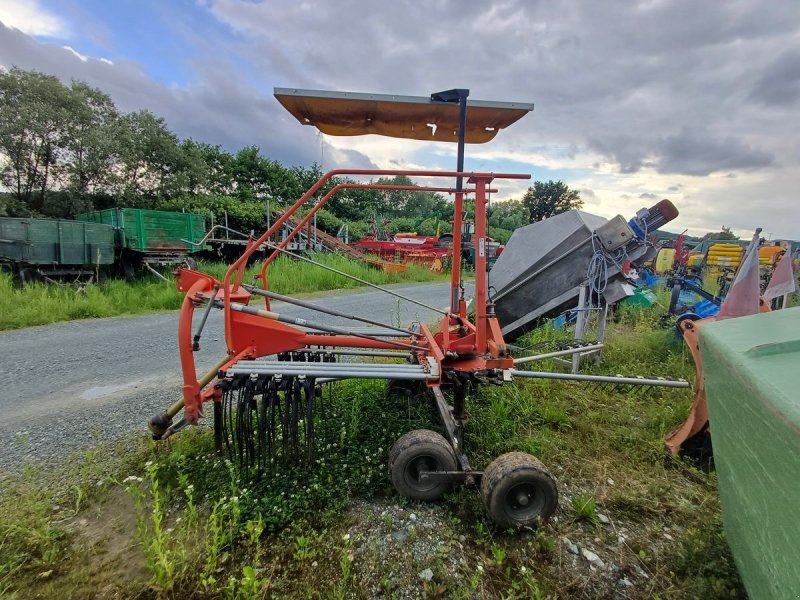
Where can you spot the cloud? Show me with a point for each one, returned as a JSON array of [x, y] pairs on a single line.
[[28, 17], [698, 153], [643, 97], [81, 57], [779, 84], [219, 107]]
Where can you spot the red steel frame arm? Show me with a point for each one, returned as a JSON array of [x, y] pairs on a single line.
[[241, 262], [324, 200]]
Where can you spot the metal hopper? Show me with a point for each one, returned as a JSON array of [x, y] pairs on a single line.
[[540, 273]]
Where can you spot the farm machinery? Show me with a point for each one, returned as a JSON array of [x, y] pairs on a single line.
[[265, 391]]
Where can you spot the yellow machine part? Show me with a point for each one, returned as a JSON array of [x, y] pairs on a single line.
[[665, 259], [694, 260], [767, 254]]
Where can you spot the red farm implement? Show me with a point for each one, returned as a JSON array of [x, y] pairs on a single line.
[[263, 392]]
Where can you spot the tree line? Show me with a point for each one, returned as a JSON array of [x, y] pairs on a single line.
[[68, 149]]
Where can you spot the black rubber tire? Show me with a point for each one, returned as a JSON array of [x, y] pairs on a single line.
[[28, 275], [127, 268], [674, 297], [511, 476], [415, 449]]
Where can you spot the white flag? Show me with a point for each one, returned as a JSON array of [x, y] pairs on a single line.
[[783, 281], [744, 297]]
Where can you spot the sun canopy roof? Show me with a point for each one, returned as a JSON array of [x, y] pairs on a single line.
[[411, 117]]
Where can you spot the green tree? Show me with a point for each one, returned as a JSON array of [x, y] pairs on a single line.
[[508, 215], [149, 158], [91, 131], [724, 234], [546, 199], [34, 109]]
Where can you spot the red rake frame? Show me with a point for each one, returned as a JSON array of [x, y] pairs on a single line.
[[459, 346]]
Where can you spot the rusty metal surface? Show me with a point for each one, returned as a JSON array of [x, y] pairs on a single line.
[[348, 113]]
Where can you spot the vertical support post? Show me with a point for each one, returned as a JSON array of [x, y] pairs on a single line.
[[269, 215], [455, 276], [459, 413], [479, 239], [601, 332], [218, 416], [580, 324]]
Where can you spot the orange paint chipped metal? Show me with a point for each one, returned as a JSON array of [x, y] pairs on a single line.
[[409, 117]]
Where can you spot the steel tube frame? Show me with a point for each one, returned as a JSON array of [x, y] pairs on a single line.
[[673, 383], [579, 350], [268, 314], [359, 366], [346, 352], [338, 375], [236, 270]]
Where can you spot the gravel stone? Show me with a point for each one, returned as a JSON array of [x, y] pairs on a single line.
[[571, 547], [593, 559], [426, 575]]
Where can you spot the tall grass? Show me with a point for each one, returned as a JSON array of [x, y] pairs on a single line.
[[41, 304]]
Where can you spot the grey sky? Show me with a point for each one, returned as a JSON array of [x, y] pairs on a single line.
[[695, 101]]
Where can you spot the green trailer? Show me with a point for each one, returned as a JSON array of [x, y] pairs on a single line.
[[151, 237], [752, 380], [35, 248]]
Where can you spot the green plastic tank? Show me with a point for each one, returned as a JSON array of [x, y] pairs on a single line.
[[752, 374]]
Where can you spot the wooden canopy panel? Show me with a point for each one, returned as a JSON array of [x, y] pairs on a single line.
[[411, 117]]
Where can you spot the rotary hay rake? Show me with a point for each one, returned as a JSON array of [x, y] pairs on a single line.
[[266, 390]]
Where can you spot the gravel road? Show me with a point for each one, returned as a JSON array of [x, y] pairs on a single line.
[[72, 385]]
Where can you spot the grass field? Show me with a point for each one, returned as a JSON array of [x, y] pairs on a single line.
[[174, 520], [40, 304]]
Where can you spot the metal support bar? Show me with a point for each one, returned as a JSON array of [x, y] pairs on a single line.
[[316, 372], [318, 326], [578, 350], [660, 382], [601, 331], [348, 352], [452, 476], [454, 429], [299, 364], [196, 338], [154, 272], [580, 323]]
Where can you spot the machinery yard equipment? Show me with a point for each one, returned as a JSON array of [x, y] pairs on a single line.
[[265, 389], [36, 249], [146, 238], [570, 260]]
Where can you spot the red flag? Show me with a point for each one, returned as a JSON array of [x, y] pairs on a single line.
[[744, 295], [782, 281]]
